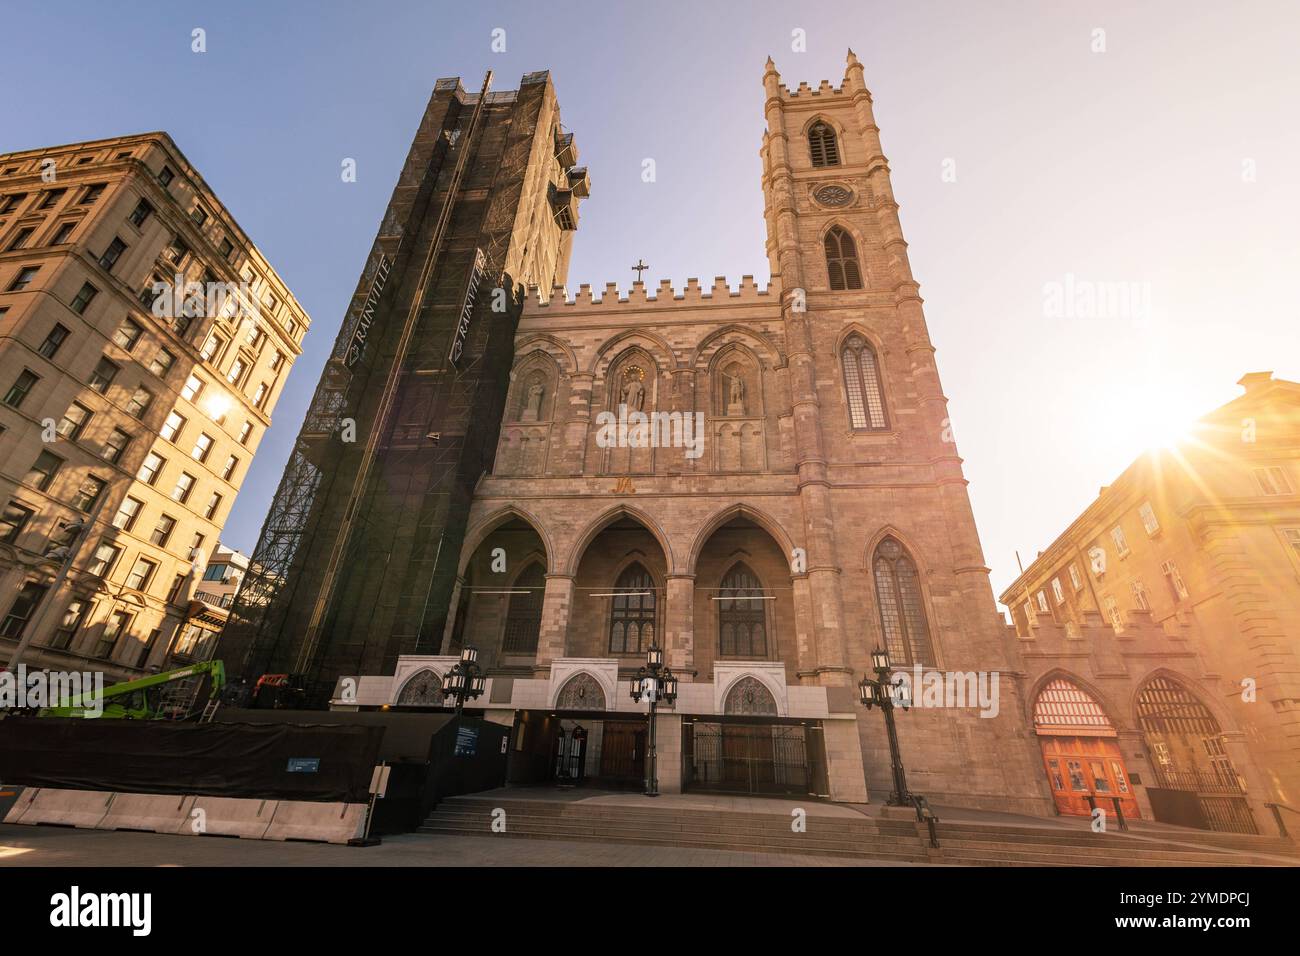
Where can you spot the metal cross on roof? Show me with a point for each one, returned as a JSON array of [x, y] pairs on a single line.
[[639, 268]]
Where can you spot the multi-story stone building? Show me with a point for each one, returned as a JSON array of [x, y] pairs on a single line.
[[816, 512], [144, 342], [1161, 630]]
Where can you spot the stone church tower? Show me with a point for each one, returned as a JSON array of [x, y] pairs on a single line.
[[794, 501]]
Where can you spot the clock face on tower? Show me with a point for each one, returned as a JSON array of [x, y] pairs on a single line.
[[833, 195]]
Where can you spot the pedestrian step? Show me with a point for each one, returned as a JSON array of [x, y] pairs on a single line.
[[837, 834]]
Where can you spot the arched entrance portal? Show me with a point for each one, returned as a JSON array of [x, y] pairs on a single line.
[[1197, 783], [1080, 752]]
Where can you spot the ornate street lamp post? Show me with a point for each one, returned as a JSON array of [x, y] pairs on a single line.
[[887, 694], [655, 682], [464, 681]]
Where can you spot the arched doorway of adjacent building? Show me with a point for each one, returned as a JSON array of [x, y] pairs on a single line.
[[1196, 782], [1081, 754]]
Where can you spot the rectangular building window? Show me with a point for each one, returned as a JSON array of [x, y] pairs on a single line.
[[162, 531], [50, 346], [1113, 613], [92, 193], [1174, 580], [127, 335], [24, 278], [162, 363], [1148, 515], [74, 615], [244, 432], [88, 493], [173, 426], [184, 485], [165, 176], [128, 514], [115, 446], [1057, 592], [116, 627], [192, 388], [202, 447], [20, 238], [103, 375], [22, 609], [149, 470], [13, 521], [1140, 595], [84, 297], [140, 401], [51, 198], [44, 469], [63, 234], [140, 213], [11, 202], [210, 512], [1121, 542], [174, 591], [228, 471], [141, 575], [74, 421], [1273, 480], [102, 561], [21, 388], [112, 254]]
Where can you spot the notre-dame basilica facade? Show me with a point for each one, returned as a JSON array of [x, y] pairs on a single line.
[[813, 510]]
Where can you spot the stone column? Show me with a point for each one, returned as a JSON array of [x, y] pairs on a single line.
[[679, 624], [578, 423], [557, 603]]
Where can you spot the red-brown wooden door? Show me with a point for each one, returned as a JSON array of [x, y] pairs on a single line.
[[1079, 767]]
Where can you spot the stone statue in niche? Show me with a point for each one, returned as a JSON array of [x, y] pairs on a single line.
[[735, 391], [633, 392], [533, 402]]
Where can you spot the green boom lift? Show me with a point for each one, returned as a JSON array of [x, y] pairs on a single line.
[[144, 699]]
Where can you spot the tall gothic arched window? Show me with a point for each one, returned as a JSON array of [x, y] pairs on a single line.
[[862, 384], [742, 618], [524, 617], [632, 615], [823, 145], [842, 260], [902, 609]]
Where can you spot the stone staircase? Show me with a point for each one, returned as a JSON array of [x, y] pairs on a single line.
[[853, 836]]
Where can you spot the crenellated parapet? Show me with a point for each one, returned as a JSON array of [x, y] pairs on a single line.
[[665, 296]]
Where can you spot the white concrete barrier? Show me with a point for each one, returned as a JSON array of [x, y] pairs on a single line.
[[152, 812], [76, 808], [228, 816], [323, 822]]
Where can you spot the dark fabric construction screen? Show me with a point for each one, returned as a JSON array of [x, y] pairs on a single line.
[[215, 760]]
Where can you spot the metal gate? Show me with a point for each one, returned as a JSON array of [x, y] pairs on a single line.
[[747, 758]]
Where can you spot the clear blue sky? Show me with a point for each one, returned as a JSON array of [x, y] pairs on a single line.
[[1122, 166]]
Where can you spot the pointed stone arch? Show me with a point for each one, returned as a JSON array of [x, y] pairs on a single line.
[[757, 342], [741, 510], [536, 369], [614, 348], [559, 350], [480, 531], [1116, 717], [421, 689], [749, 696], [604, 520], [582, 691]]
